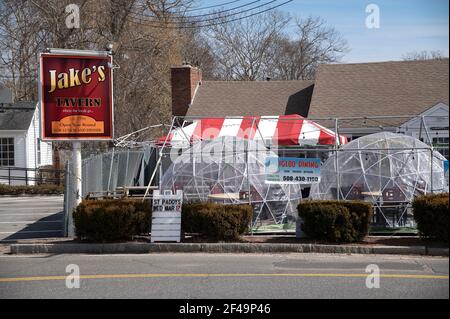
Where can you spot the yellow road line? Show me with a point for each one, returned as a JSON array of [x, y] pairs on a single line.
[[131, 276]]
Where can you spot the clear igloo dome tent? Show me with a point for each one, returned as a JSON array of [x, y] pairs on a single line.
[[232, 170], [383, 168]]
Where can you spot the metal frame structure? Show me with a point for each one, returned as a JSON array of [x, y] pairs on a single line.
[[129, 142], [181, 122]]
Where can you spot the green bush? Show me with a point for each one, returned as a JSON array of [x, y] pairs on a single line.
[[336, 221], [216, 221], [16, 190], [431, 216], [112, 220]]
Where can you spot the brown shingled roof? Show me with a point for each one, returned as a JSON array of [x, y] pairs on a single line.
[[378, 89], [258, 98]]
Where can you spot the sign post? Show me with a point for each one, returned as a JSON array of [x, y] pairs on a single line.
[[76, 104], [77, 175], [166, 216]]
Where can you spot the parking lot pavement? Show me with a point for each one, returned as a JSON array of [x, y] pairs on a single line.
[[30, 217]]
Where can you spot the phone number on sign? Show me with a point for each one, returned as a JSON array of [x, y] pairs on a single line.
[[300, 179]]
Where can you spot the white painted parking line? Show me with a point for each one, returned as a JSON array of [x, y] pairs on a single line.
[[31, 231], [57, 205], [31, 214], [31, 222], [30, 201], [42, 211], [30, 207], [18, 199]]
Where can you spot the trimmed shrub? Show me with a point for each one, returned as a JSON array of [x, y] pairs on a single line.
[[112, 220], [216, 221], [16, 190], [336, 221], [431, 215]]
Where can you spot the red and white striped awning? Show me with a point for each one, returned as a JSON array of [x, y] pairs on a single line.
[[286, 130]]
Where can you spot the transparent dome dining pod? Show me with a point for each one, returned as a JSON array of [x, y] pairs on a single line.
[[231, 170], [386, 169]]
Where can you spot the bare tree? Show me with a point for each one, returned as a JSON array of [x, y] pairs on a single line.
[[147, 41], [314, 43], [423, 55], [145, 46], [256, 48], [198, 52], [242, 48], [18, 47]]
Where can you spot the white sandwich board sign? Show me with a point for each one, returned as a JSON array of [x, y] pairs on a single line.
[[166, 216]]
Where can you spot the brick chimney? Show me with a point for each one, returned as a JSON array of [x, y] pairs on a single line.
[[185, 81]]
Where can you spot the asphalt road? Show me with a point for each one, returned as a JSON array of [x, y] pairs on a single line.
[[212, 276], [30, 217]]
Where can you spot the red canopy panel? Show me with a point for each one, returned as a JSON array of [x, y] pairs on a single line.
[[286, 130]]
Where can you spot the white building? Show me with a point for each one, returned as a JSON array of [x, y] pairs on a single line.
[[21, 150], [431, 127]]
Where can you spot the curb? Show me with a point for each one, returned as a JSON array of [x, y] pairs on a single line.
[[146, 248]]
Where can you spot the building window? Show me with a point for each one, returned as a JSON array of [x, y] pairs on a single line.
[[441, 145], [6, 151], [38, 151]]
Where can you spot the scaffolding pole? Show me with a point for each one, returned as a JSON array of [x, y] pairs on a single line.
[[159, 160]]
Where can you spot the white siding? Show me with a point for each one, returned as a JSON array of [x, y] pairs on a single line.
[[436, 123], [25, 151], [46, 147], [19, 156], [46, 153], [32, 135]]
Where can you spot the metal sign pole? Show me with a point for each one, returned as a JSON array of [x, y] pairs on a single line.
[[76, 179], [110, 171]]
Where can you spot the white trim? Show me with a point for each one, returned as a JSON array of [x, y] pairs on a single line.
[[77, 52]]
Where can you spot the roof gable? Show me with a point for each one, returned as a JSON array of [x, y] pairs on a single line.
[[17, 116], [378, 89], [436, 113]]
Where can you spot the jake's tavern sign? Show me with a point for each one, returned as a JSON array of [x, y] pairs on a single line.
[[76, 96]]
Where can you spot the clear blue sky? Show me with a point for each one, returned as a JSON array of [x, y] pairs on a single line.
[[405, 25]]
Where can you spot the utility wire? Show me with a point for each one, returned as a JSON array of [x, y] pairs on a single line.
[[194, 24], [214, 6], [217, 16], [200, 15]]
